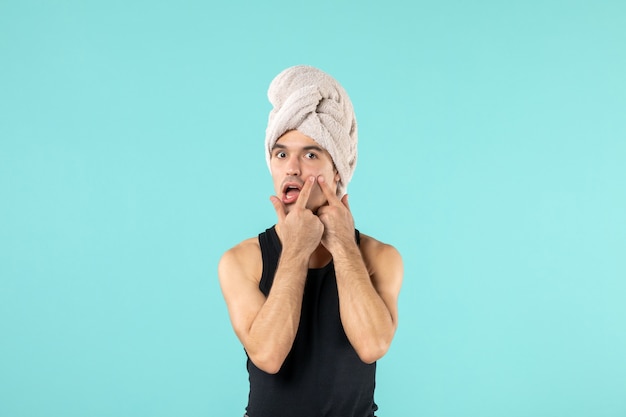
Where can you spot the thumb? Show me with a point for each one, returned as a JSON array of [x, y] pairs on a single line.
[[279, 207]]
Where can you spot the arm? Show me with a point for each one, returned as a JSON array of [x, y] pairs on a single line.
[[368, 280], [267, 327], [368, 295]]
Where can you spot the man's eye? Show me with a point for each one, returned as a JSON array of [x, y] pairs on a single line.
[[310, 155], [280, 154]]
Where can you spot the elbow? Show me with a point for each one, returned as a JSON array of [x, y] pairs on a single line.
[[270, 364], [266, 355], [371, 352], [269, 367]]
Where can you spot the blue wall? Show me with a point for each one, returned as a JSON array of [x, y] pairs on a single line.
[[492, 155]]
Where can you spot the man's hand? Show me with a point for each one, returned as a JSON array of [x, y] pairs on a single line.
[[336, 218], [300, 231]]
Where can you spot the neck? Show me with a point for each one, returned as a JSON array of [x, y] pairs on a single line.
[[320, 257]]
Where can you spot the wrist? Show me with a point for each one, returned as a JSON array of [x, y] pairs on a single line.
[[295, 256], [343, 247]]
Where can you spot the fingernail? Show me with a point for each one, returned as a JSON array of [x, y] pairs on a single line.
[[320, 178]]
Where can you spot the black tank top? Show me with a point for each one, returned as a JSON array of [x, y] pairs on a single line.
[[322, 375]]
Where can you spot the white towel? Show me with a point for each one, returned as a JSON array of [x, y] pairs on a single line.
[[314, 103]]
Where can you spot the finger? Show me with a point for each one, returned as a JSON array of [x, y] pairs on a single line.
[[303, 198], [279, 207], [328, 192]]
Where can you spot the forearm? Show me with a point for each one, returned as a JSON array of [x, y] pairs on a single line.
[[366, 319], [274, 328]]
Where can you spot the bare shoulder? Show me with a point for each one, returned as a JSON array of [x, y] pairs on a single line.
[[243, 261], [239, 271], [383, 261], [375, 250]]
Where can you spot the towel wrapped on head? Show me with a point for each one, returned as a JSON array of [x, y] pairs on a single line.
[[307, 99]]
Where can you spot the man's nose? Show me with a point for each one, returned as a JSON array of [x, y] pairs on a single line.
[[293, 167]]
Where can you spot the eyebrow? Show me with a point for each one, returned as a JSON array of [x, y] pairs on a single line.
[[304, 148]]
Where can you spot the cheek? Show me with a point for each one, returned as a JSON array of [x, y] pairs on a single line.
[[277, 182], [329, 174]]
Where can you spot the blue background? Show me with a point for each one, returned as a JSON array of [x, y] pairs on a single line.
[[492, 155]]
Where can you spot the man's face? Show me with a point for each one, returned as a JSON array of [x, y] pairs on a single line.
[[294, 158]]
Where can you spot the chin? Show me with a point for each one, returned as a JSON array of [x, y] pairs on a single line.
[[315, 207]]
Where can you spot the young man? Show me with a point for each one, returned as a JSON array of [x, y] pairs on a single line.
[[313, 301]]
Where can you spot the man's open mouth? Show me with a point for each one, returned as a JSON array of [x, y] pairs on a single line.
[[291, 191]]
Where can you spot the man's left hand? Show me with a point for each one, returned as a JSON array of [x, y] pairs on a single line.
[[337, 219]]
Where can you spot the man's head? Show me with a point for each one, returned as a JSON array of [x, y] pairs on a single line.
[[313, 103], [295, 158]]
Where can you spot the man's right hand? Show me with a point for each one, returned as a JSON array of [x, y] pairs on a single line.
[[300, 231], [267, 324]]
